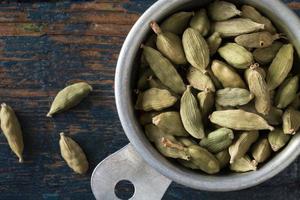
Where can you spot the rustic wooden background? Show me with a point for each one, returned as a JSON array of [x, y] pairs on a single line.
[[47, 45]]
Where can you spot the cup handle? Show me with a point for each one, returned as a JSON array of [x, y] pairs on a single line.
[[126, 164]]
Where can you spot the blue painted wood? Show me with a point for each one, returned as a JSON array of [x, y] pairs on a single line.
[[47, 45]]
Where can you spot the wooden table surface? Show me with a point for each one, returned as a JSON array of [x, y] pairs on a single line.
[[47, 45]]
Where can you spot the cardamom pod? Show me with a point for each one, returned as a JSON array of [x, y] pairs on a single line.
[[206, 102], [164, 70], [205, 161], [143, 83], [169, 44], [214, 41], [236, 26], [200, 22], [215, 80], [154, 82], [155, 99], [191, 115], [240, 147], [239, 120], [233, 97], [278, 139], [227, 75], [244, 164], [69, 97], [146, 117], [196, 49], [280, 66], [236, 55], [259, 88], [153, 133], [261, 150], [296, 102], [222, 10], [199, 80], [291, 121], [186, 141], [287, 92], [266, 55], [177, 22], [170, 123], [12, 130], [217, 140], [256, 40], [223, 158], [251, 13], [188, 164], [73, 154]]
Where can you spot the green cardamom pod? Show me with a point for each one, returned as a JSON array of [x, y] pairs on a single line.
[[73, 154], [69, 97], [205, 161], [261, 150], [227, 75], [154, 82], [251, 13], [191, 115], [291, 121], [287, 92], [146, 117], [143, 83], [259, 88], [266, 55], [170, 123], [188, 164], [256, 40], [222, 10], [153, 133], [155, 99], [12, 130], [217, 140], [196, 49], [169, 44], [199, 80], [214, 41], [223, 158], [280, 66], [206, 102], [236, 55], [200, 22], [239, 120], [233, 97], [240, 147], [236, 26], [278, 139], [177, 22], [164, 70], [296, 102], [244, 164]]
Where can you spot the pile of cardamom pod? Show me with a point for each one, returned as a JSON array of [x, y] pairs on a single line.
[[216, 88]]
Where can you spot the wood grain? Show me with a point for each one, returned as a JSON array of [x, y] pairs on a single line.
[[45, 46]]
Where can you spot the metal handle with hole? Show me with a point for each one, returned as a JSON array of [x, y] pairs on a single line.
[[126, 164]]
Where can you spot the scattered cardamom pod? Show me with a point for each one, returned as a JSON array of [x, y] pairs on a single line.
[[291, 121], [177, 22], [223, 158], [240, 147], [236, 26], [146, 117], [196, 49], [170, 123], [227, 75], [69, 97], [206, 102], [199, 80], [266, 55], [233, 97], [217, 140], [278, 139], [239, 120], [12, 130], [287, 92], [244, 164], [222, 10], [169, 44], [153, 133], [280, 66], [236, 55], [73, 154], [214, 41], [200, 22], [164, 70], [261, 150], [155, 99], [191, 115]]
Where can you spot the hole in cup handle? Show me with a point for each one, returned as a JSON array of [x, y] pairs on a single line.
[[127, 167]]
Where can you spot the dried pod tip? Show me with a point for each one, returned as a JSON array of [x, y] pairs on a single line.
[[155, 27], [149, 78], [168, 143], [189, 87], [252, 95], [62, 134], [207, 90], [271, 128], [49, 114], [254, 66], [261, 43], [3, 105], [254, 164], [21, 160]]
